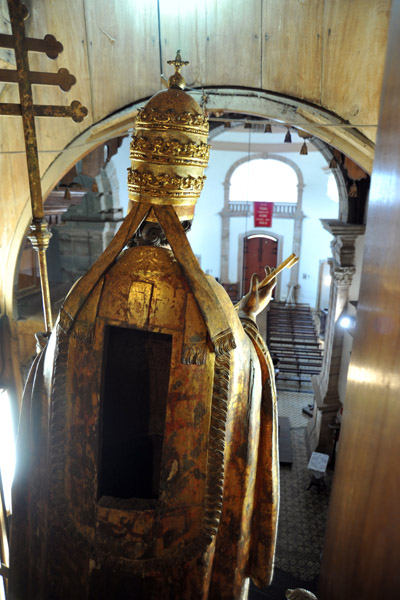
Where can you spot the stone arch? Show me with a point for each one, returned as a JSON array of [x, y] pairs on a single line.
[[313, 119], [322, 148], [226, 213], [246, 101], [338, 175]]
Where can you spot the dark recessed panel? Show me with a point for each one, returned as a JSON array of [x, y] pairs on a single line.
[[135, 390]]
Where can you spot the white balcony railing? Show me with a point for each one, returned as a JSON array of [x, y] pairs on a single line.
[[285, 210]]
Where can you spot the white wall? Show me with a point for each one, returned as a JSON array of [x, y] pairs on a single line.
[[315, 240], [205, 236], [122, 163], [356, 281], [352, 311]]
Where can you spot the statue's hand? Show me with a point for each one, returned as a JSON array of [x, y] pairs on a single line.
[[257, 299]]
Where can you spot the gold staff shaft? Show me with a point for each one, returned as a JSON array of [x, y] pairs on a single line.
[[286, 264], [40, 238]]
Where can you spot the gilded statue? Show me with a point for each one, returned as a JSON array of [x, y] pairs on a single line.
[[147, 453]]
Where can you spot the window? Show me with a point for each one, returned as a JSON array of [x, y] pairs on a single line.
[[263, 180]]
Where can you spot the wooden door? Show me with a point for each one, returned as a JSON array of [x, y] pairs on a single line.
[[259, 251]]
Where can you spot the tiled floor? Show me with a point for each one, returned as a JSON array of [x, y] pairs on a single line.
[[303, 512], [290, 404]]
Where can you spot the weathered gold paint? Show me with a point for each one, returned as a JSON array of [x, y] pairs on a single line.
[[149, 542], [213, 524]]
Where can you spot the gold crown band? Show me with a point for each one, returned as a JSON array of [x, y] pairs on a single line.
[[168, 127], [170, 161], [170, 119], [165, 185], [175, 152]]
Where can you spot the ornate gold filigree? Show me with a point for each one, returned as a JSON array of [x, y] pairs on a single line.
[[164, 184], [150, 118], [171, 152], [170, 146]]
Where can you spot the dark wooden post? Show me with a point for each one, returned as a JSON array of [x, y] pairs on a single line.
[[360, 559]]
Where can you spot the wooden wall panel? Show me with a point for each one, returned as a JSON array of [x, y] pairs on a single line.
[[13, 197], [122, 39], [221, 39], [13, 170], [292, 50], [5, 25], [55, 133], [361, 554], [180, 23], [355, 35]]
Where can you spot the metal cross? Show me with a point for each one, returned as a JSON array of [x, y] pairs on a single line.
[[178, 62], [177, 80]]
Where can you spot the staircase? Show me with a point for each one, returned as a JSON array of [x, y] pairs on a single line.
[[292, 339]]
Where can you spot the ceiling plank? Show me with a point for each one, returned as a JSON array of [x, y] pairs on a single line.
[[222, 40], [123, 53], [53, 133], [292, 48], [354, 35]]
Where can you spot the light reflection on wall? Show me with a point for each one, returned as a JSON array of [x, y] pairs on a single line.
[[331, 189], [7, 447], [374, 377]]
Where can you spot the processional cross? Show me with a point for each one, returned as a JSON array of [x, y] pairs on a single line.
[[39, 236]]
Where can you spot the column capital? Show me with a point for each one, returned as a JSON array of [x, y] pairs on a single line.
[[342, 276]]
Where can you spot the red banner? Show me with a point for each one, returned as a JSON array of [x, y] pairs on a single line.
[[263, 214]]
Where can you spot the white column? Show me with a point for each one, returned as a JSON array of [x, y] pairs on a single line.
[[326, 393]]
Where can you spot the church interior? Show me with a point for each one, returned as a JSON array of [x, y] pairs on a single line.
[[301, 97]]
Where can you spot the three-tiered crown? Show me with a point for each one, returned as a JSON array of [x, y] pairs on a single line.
[[169, 149]]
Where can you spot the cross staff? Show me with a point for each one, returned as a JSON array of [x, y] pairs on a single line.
[[39, 236], [177, 80]]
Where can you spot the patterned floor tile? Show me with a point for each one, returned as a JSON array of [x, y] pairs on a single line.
[[303, 512], [291, 404]]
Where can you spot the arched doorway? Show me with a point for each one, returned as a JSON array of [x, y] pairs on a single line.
[[258, 250], [250, 179]]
